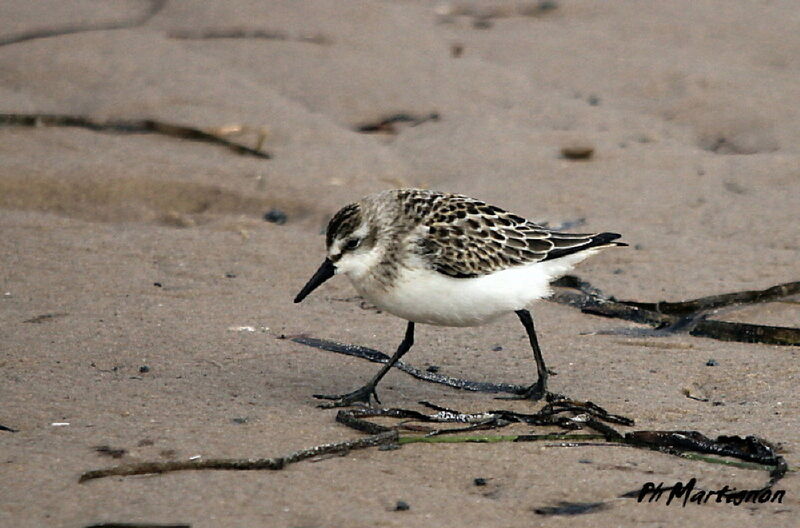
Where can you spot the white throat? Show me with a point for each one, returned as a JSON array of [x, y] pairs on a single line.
[[359, 265]]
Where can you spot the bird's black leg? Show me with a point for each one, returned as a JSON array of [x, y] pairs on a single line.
[[538, 390], [365, 393]]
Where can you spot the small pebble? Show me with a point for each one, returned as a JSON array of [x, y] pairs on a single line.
[[276, 216], [240, 420], [547, 5], [537, 8], [480, 481], [593, 100], [712, 363], [110, 451], [577, 151], [144, 369], [402, 506], [433, 368], [230, 275], [157, 284], [497, 348], [734, 187]]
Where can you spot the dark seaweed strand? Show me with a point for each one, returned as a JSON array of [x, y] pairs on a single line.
[[679, 443], [593, 301], [379, 357]]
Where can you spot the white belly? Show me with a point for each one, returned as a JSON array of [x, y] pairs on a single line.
[[426, 296]]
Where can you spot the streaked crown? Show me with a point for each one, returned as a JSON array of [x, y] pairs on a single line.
[[343, 223]]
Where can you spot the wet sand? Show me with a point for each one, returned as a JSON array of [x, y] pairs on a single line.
[[150, 252]]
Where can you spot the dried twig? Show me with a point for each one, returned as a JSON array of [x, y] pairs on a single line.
[[243, 33], [129, 126], [44, 318], [153, 9], [388, 125], [248, 464]]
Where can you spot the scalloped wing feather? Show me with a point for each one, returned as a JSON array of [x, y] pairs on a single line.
[[469, 238]]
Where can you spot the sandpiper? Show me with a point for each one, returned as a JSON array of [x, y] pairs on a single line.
[[446, 259]]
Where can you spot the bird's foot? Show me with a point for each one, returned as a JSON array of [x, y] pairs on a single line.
[[362, 397]]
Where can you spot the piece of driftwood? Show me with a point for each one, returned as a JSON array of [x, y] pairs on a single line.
[[130, 126]]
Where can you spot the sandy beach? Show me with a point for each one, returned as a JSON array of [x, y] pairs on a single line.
[[166, 173]]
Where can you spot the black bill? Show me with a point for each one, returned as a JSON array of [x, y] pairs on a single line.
[[325, 272]]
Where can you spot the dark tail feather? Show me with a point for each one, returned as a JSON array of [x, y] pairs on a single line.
[[601, 239]]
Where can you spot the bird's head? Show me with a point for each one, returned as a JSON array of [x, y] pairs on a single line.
[[351, 240]]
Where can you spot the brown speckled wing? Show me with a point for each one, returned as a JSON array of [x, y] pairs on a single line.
[[469, 238]]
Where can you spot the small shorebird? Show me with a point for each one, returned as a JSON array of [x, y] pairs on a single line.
[[449, 260]]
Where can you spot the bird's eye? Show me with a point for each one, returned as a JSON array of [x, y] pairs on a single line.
[[352, 244]]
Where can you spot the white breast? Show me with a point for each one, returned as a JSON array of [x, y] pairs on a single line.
[[426, 296]]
